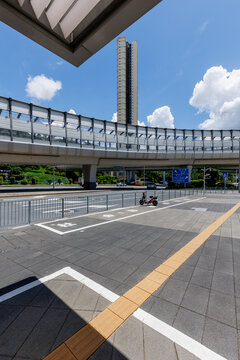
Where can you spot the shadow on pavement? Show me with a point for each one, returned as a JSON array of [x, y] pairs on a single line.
[[37, 321]]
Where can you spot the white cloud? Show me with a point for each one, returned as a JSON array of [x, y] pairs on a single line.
[[162, 118], [42, 88], [218, 94], [71, 111], [114, 117]]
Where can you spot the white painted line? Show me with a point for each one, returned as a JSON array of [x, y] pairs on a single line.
[[110, 221], [101, 290], [31, 285], [108, 215], [132, 210], [199, 209], [186, 342], [90, 214], [191, 345], [20, 227], [66, 225]]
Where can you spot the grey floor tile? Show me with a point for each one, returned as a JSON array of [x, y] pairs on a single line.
[[41, 339], [189, 323], [19, 330], [196, 299], [104, 352], [183, 354], [162, 309], [87, 299], [202, 277], [184, 272], [173, 291], [67, 294], [206, 262], [7, 315], [123, 273], [102, 303], [157, 346], [74, 322], [222, 308], [223, 283], [224, 267], [221, 338], [128, 341]]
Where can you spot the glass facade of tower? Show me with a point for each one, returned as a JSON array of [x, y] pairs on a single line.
[[127, 90]]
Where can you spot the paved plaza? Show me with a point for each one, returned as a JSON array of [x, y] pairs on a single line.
[[85, 263]]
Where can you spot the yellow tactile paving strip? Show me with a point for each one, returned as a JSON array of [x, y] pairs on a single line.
[[87, 340]]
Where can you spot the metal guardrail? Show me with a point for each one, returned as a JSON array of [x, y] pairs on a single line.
[[29, 123], [20, 212]]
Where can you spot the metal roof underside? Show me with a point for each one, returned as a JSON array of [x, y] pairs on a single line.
[[73, 29]]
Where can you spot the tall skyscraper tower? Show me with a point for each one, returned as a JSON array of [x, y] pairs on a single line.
[[127, 82]]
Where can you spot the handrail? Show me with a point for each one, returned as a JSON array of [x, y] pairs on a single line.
[[27, 122]]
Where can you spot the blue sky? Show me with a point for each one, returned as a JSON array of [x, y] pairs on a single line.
[[178, 42]]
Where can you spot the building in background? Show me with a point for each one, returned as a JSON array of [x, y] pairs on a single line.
[[127, 82]]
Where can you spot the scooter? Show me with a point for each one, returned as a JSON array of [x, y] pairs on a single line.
[[152, 200]]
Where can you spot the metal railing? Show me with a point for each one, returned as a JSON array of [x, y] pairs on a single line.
[[29, 123], [20, 212]]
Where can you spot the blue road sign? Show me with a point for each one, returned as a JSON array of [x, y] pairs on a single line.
[[225, 175], [180, 175]]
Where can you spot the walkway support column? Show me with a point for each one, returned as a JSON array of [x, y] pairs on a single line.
[[89, 174]]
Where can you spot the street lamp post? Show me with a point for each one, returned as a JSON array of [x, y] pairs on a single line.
[[204, 180], [53, 177]]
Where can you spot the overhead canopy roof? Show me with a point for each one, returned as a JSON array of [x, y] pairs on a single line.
[[73, 29]]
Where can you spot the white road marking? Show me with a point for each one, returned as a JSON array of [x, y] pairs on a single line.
[[185, 341], [21, 226], [176, 336], [132, 210], [166, 203], [108, 215], [199, 209], [66, 225], [110, 221]]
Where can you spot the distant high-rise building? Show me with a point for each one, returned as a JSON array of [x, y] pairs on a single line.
[[127, 82]]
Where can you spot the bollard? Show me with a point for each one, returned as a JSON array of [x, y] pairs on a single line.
[[106, 202]]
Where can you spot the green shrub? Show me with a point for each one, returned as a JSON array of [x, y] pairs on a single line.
[[24, 182], [1, 180], [12, 179]]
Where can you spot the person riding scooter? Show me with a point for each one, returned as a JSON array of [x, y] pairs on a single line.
[[152, 200]]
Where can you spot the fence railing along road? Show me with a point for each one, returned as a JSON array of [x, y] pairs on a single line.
[[20, 212]]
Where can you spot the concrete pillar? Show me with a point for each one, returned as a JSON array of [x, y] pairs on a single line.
[[164, 177], [128, 176], [190, 171], [89, 174]]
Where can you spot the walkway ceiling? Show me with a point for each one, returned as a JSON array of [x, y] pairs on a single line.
[[73, 29]]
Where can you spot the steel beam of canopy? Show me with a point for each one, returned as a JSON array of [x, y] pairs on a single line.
[[73, 29]]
